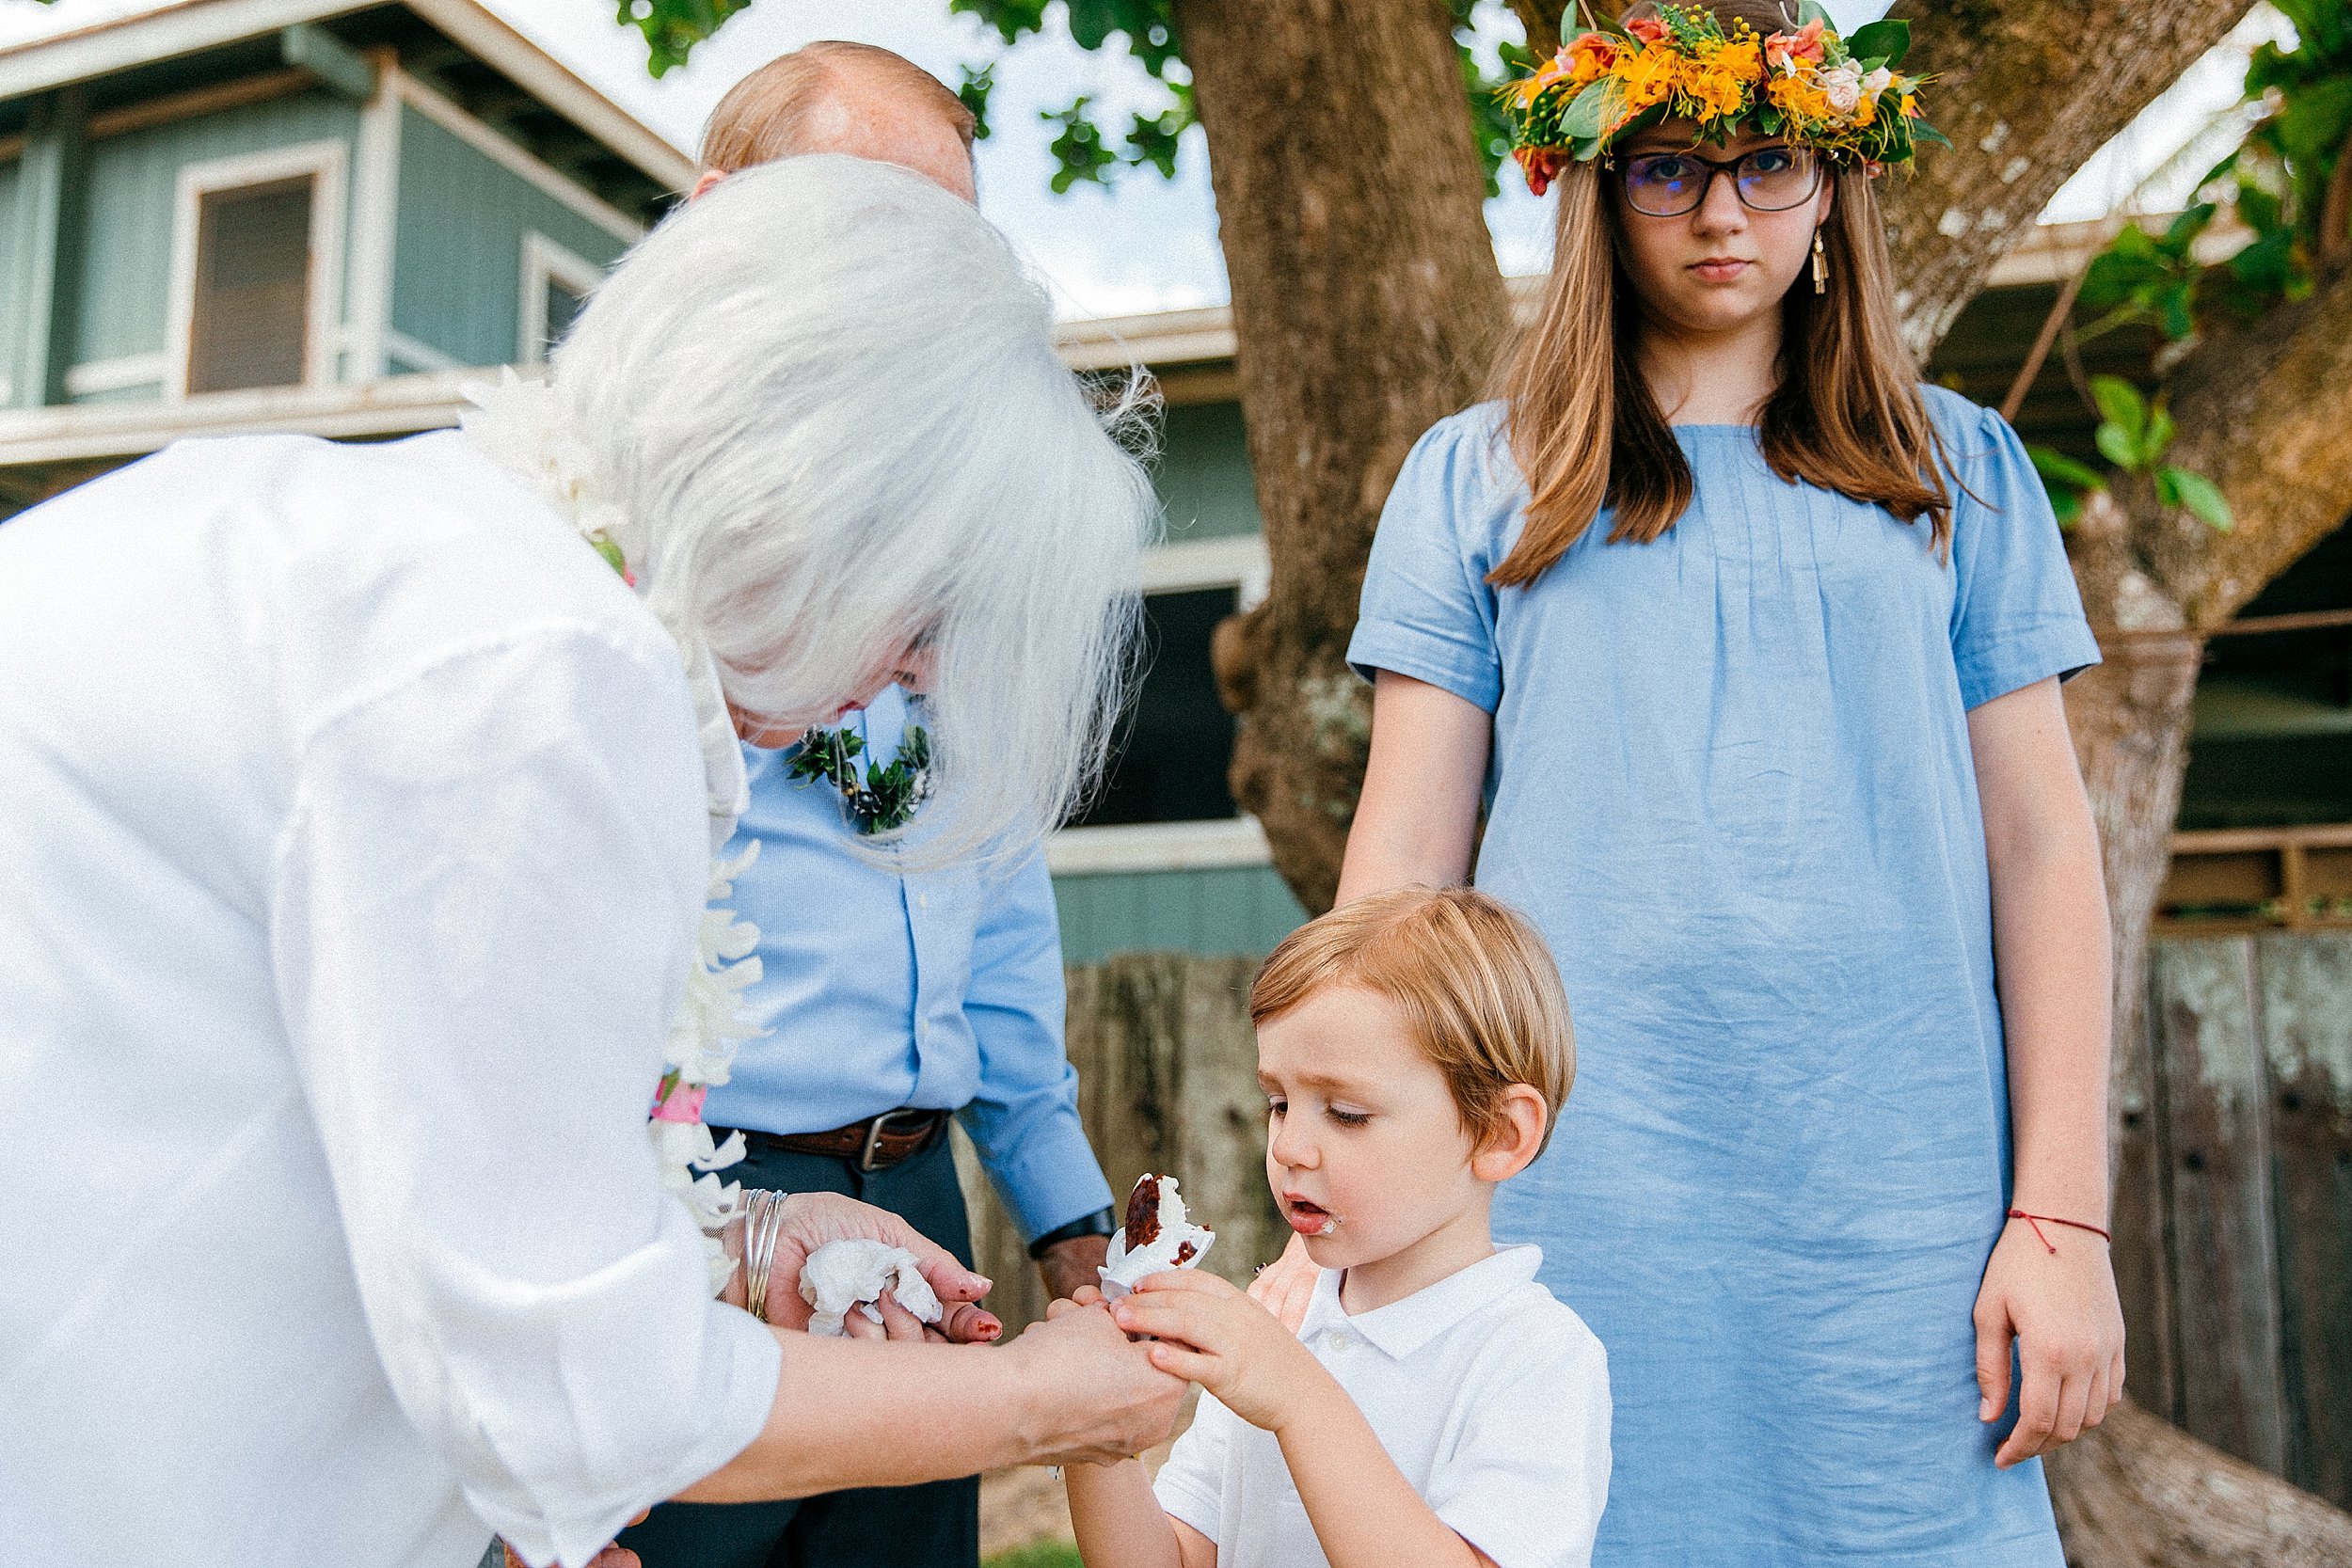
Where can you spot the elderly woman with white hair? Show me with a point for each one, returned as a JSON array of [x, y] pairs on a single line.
[[353, 872]]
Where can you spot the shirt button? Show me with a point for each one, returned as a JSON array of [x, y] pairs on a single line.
[[922, 900], [1340, 1341]]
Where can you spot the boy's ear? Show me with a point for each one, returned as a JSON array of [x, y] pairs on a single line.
[[1511, 1147]]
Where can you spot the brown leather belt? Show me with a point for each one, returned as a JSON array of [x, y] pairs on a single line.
[[875, 1144]]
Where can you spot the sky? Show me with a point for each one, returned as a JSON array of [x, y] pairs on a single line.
[[1149, 243]]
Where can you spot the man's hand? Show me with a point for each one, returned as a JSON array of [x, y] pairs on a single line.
[[1070, 1266], [2062, 1315], [812, 1219], [1228, 1344]]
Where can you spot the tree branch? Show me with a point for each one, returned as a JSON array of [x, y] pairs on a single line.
[[1542, 22], [2260, 411], [2026, 89]]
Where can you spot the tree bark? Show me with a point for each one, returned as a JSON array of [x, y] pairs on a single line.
[[1367, 305], [2026, 90], [2139, 1492]]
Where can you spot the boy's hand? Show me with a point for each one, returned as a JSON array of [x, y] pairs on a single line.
[[1213, 1334], [2062, 1315]]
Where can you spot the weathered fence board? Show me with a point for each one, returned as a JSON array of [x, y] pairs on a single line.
[[2225, 1269], [2307, 1026], [2142, 1250]]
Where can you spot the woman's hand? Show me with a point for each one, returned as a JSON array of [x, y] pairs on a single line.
[[812, 1219], [2062, 1314], [1117, 1401], [1218, 1338]]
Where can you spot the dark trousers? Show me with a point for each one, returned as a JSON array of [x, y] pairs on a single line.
[[933, 1526]]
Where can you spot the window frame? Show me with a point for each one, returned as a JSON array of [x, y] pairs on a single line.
[[326, 162], [1238, 562], [544, 262]]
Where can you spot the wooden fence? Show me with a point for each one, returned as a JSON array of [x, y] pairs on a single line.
[[2234, 1209], [2233, 1239]]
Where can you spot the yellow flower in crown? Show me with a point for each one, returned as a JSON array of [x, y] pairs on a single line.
[[1845, 98]]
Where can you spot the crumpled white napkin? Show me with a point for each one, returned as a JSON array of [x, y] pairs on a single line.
[[850, 1275], [1155, 1213]]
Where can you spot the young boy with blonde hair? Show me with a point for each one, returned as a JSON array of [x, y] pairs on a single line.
[[1438, 1406]]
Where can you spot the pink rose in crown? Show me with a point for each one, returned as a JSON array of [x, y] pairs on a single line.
[[1802, 45], [1648, 29]]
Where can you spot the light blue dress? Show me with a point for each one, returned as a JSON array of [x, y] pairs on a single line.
[[1732, 784]]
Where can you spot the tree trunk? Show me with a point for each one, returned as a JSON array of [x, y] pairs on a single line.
[[2139, 1492], [1367, 305]]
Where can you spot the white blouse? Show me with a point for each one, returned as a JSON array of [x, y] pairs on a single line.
[[351, 847]]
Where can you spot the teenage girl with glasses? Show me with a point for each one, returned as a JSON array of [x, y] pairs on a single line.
[[1748, 645]]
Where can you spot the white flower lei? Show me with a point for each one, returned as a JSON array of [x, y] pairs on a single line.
[[516, 424]]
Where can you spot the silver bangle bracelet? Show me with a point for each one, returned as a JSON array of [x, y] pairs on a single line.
[[763, 1223]]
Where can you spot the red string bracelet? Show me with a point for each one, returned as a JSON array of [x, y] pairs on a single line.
[[2036, 1220]]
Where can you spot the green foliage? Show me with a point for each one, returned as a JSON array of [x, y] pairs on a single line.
[[1038, 1553], [2274, 186], [673, 27], [1085, 151], [2135, 432]]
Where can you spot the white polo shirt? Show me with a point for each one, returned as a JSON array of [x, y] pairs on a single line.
[[1490, 1395]]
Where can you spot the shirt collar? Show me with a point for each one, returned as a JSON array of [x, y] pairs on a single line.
[[1403, 1326]]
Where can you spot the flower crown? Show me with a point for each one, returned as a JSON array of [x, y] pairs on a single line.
[[1843, 98]]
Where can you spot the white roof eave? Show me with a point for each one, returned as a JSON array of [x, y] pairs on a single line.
[[194, 27]]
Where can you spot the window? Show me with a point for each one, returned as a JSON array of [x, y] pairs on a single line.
[[256, 262], [556, 283], [1175, 741], [251, 321]]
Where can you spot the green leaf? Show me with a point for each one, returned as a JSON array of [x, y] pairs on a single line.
[[1588, 115], [1091, 22], [2119, 447], [2169, 486], [2200, 496], [2158, 434], [974, 90], [2057, 469], [2184, 228], [2120, 405], [2065, 505], [1889, 40], [2176, 310]]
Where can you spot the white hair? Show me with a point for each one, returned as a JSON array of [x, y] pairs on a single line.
[[826, 395]]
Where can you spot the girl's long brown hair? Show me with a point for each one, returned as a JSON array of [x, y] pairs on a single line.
[[1587, 432]]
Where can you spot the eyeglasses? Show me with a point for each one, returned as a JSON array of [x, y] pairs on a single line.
[[1769, 180]]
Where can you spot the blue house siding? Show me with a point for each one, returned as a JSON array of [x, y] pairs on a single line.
[[1244, 910], [457, 262], [1204, 477], [11, 174], [133, 205]]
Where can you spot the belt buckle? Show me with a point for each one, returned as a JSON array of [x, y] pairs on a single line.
[[874, 1130]]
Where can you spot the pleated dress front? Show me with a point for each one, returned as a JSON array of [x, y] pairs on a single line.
[[1732, 784]]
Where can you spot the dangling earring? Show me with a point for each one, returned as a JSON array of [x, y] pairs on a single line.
[[1821, 265]]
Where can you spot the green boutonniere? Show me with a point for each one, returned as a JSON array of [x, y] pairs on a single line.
[[878, 799]]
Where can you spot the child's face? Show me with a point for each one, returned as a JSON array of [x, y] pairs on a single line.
[[1365, 1149]]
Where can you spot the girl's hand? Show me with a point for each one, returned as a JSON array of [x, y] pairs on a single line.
[[1286, 1287], [2062, 1314], [1216, 1336]]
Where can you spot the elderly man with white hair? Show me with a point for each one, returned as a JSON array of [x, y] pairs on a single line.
[[353, 882]]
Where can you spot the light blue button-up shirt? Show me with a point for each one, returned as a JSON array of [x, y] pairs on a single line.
[[941, 990]]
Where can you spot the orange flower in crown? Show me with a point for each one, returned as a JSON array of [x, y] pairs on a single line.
[[1844, 98]]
